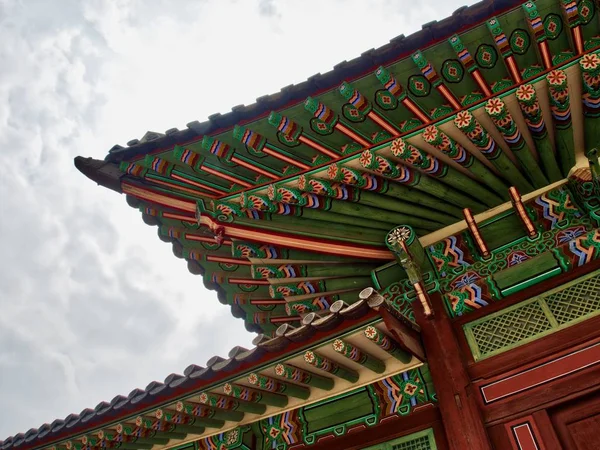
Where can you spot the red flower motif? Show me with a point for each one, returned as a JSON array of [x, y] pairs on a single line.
[[228, 389], [252, 378], [309, 357], [366, 159], [398, 146], [203, 398], [430, 134], [494, 106], [590, 61], [525, 92], [463, 119], [557, 77], [338, 345], [279, 369], [370, 332]]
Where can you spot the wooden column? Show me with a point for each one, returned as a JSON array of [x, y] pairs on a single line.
[[462, 419]]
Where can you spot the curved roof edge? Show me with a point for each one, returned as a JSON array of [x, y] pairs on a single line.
[[399, 47]]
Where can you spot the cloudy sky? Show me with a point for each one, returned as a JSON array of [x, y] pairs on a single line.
[[92, 304]]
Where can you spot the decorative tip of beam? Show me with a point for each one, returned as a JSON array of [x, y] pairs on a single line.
[[284, 125], [519, 207], [475, 234], [373, 298], [319, 110], [590, 64], [557, 79], [322, 363], [359, 356], [216, 147]]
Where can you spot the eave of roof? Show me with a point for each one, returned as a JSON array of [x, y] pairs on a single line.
[[289, 340], [462, 19]]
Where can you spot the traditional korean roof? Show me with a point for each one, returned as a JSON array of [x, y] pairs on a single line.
[[284, 207], [323, 356], [317, 174]]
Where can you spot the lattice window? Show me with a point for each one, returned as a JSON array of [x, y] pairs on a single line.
[[535, 317], [423, 440], [422, 443], [576, 301], [510, 328]]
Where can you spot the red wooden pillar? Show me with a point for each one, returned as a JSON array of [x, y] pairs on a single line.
[[461, 416]]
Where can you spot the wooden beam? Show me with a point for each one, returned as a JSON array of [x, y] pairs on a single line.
[[359, 356], [303, 376], [463, 421], [387, 344], [269, 384], [201, 410], [254, 395], [325, 364], [230, 403]]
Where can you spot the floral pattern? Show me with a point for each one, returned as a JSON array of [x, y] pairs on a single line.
[[557, 77], [525, 92], [494, 106]]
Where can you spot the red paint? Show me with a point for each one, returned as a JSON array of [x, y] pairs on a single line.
[[442, 89], [284, 158], [210, 240], [236, 160], [541, 374], [383, 123], [524, 438], [352, 135], [482, 83], [300, 242], [318, 147], [545, 52], [578, 39], [200, 185], [269, 301], [184, 189], [218, 174], [513, 69], [223, 259], [416, 110], [248, 281]]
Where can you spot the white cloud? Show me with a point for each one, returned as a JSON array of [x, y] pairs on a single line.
[[92, 303]]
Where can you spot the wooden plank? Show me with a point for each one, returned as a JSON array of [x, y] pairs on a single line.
[[575, 420], [463, 421], [546, 430], [540, 374], [557, 386]]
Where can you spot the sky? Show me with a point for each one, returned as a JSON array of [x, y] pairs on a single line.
[[92, 303]]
